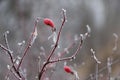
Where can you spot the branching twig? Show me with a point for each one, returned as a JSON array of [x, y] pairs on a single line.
[[82, 38], [66, 50], [10, 54], [71, 57], [7, 50], [59, 33], [109, 64], [16, 70], [97, 63], [54, 48], [104, 68]]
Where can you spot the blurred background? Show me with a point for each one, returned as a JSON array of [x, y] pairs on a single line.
[[103, 17]]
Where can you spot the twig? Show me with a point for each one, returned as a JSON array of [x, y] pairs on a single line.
[[104, 68], [4, 48], [97, 63], [10, 54], [109, 68], [6, 41], [96, 73], [10, 69], [82, 38], [54, 48], [66, 51], [94, 56], [14, 73], [30, 42], [115, 43], [58, 37], [71, 57]]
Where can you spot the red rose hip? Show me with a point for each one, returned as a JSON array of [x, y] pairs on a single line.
[[68, 69], [49, 22]]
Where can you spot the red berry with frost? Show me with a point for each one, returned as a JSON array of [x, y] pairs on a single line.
[[68, 69], [49, 22]]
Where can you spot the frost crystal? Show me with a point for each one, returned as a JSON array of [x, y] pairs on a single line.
[[76, 37], [46, 78], [8, 66], [66, 50], [36, 77], [7, 32], [59, 54], [42, 51], [64, 10], [17, 62], [76, 75], [65, 63], [18, 57], [64, 13], [94, 56], [88, 29], [34, 37], [82, 36], [21, 43], [53, 36], [42, 48], [116, 40]]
